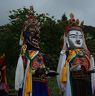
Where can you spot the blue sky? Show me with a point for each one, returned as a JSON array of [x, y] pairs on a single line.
[[83, 9]]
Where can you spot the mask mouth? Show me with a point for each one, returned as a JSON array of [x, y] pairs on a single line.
[[78, 42]]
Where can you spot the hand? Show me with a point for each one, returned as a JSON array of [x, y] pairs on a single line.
[[24, 47]]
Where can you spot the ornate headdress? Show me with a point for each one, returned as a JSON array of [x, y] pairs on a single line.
[[31, 30], [74, 24]]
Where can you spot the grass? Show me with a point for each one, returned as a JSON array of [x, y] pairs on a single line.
[[53, 86]]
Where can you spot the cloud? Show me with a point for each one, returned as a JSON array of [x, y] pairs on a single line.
[[83, 9], [6, 6]]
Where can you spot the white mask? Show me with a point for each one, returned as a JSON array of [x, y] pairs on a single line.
[[75, 39]]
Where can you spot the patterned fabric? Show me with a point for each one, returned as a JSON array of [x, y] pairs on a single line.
[[27, 88], [40, 87], [2, 68], [38, 62], [3, 80], [75, 58], [32, 58], [82, 59], [80, 80]]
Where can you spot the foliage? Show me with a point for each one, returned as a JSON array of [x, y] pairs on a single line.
[[51, 31], [89, 32]]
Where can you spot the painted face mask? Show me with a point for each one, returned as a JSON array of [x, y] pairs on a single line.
[[75, 39]]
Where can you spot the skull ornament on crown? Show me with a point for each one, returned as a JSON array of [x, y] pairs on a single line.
[[30, 34]]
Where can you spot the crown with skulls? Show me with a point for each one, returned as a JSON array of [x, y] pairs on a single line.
[[32, 26]]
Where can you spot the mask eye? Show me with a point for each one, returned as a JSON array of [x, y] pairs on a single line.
[[72, 36]]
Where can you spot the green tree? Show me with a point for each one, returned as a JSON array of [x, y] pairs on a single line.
[[51, 32]]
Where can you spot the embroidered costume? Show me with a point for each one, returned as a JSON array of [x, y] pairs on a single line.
[[3, 81], [75, 63], [30, 79]]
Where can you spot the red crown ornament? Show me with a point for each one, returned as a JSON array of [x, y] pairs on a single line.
[[74, 24]]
